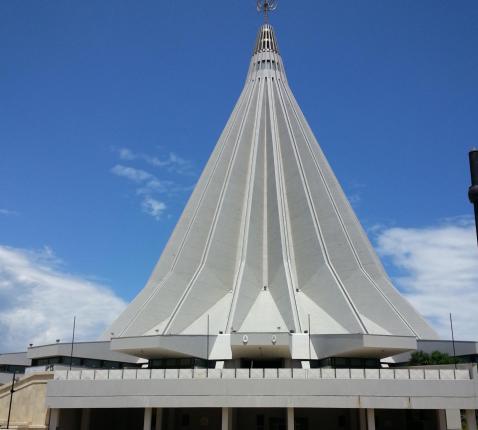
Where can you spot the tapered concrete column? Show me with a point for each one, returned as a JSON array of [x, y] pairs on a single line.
[[159, 418], [54, 419], [85, 419], [226, 419], [362, 419], [290, 419], [471, 419], [371, 419], [453, 419], [148, 412]]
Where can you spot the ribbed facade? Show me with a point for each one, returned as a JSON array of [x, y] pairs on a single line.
[[268, 240]]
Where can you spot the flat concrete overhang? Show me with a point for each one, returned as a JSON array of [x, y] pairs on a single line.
[[164, 346], [15, 359], [459, 347], [361, 345], [94, 350], [298, 346]]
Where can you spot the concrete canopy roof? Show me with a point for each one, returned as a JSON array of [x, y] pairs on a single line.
[[268, 241]]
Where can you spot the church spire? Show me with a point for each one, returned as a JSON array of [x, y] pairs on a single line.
[[266, 40]]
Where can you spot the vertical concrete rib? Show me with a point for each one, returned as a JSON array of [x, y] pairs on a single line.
[[244, 236], [283, 213]]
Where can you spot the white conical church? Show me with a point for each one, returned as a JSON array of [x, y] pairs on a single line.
[[268, 242]]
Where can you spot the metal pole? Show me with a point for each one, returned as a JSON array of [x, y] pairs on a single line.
[[207, 347], [476, 220], [11, 398], [72, 341], [453, 340], [310, 355], [473, 190]]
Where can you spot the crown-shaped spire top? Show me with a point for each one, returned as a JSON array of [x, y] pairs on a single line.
[[266, 40]]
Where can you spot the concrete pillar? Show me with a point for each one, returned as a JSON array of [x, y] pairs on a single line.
[[148, 412], [85, 419], [470, 419], [159, 418], [453, 419], [226, 419], [290, 419], [54, 419], [441, 419], [362, 419], [371, 419]]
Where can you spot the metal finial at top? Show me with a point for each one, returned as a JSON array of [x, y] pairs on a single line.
[[266, 6]]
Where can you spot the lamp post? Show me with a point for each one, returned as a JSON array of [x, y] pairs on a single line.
[[473, 190], [12, 390]]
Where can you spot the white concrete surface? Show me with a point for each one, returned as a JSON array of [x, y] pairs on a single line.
[[255, 373], [453, 419]]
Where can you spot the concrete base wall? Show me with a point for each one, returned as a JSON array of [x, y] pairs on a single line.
[[28, 403]]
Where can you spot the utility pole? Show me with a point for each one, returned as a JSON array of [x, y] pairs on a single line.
[[207, 347], [473, 190], [453, 340], [72, 341], [310, 349], [11, 398]]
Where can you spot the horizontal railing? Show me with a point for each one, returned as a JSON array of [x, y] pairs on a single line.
[[145, 374]]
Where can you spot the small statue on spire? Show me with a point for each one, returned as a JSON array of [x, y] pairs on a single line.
[[266, 6]]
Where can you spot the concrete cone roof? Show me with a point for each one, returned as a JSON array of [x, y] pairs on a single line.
[[268, 236]]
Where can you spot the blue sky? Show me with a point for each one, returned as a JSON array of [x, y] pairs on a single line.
[[91, 90]]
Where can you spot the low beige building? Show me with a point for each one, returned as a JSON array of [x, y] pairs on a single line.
[[28, 406]]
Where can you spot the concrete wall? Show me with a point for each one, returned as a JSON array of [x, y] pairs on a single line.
[[28, 405], [324, 393]]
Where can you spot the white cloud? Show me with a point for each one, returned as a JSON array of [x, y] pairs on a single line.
[[148, 184], [38, 301], [153, 207], [136, 175], [171, 162], [438, 268], [126, 154], [7, 212]]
